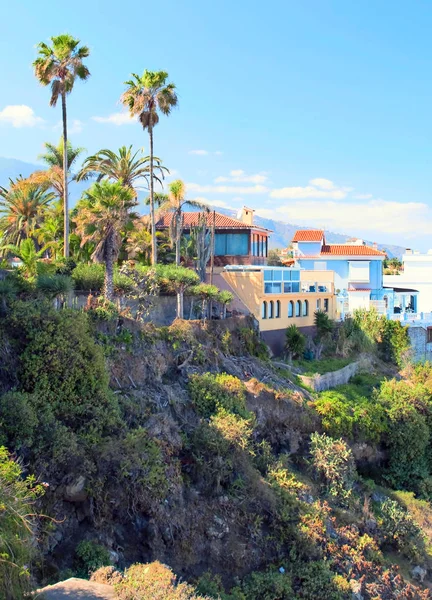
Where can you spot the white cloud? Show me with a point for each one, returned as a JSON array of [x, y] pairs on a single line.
[[119, 118], [357, 218], [363, 196], [239, 176], [317, 188], [218, 153], [217, 203], [199, 152], [19, 115], [226, 189]]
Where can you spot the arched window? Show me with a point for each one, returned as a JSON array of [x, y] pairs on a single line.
[[298, 308], [290, 308], [318, 304], [264, 310], [305, 308], [271, 311], [278, 309]]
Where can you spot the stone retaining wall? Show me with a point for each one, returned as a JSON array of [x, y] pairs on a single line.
[[320, 383]]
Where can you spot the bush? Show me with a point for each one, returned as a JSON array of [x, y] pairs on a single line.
[[399, 530], [295, 342], [333, 463], [89, 278], [54, 285], [316, 581], [17, 525], [211, 392], [18, 420], [271, 585], [90, 556], [153, 581], [324, 325], [65, 266]]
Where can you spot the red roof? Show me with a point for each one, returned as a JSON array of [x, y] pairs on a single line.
[[308, 235], [190, 219], [349, 250]]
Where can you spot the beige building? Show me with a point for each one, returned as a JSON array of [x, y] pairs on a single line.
[[282, 296]]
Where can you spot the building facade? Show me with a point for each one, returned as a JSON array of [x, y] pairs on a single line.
[[237, 241], [414, 284], [358, 272], [282, 296]]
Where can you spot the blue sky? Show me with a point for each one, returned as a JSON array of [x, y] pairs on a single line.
[[312, 112]]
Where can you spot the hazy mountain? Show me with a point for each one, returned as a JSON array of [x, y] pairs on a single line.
[[280, 238]]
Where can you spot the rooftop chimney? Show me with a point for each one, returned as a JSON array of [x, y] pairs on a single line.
[[247, 215], [408, 251], [375, 246]]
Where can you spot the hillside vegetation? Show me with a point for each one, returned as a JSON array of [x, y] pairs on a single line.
[[185, 445]]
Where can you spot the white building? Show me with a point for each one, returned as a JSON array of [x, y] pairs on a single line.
[[414, 283]]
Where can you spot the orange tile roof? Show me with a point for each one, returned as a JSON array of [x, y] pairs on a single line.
[[349, 250], [190, 219], [308, 235]]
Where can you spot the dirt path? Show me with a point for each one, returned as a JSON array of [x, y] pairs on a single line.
[[76, 589]]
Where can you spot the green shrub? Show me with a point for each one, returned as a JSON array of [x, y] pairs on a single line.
[[271, 585], [123, 284], [211, 392], [54, 285], [295, 342], [89, 277], [333, 464], [65, 266], [17, 525], [18, 419], [399, 530], [153, 581], [315, 581], [324, 325], [90, 556], [252, 344]]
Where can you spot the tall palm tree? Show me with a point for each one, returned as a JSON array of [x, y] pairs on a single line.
[[60, 65], [130, 167], [104, 214], [174, 203], [145, 96], [22, 209]]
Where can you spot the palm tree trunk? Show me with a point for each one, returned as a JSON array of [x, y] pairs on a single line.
[[178, 237], [65, 178], [109, 269], [152, 208], [180, 295]]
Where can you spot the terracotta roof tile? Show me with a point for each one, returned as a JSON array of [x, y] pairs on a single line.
[[308, 235], [190, 219], [349, 250]]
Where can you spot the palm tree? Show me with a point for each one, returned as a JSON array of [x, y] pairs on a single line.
[[145, 96], [126, 165], [22, 207], [28, 253], [175, 203], [60, 65], [138, 244], [105, 212]]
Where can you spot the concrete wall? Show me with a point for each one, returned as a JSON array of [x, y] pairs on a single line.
[[320, 383], [309, 248], [420, 348]]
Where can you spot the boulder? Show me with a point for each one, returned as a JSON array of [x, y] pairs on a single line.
[[75, 490]]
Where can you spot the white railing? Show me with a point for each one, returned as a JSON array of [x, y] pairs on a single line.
[[408, 317]]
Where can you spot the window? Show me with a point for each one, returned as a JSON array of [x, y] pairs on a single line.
[[290, 308], [318, 304], [271, 311], [264, 310], [326, 305], [278, 309], [305, 308], [359, 271], [278, 281], [298, 308], [429, 335], [232, 244]]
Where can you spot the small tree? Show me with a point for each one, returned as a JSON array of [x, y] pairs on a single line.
[[295, 342], [179, 279], [206, 292], [200, 245], [323, 323], [273, 259], [225, 297]]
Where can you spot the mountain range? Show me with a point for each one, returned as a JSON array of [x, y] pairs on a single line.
[[280, 238]]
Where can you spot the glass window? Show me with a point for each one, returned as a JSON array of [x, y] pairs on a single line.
[[271, 311], [273, 288], [290, 308], [326, 305], [278, 309], [305, 308], [287, 275], [298, 308], [268, 275], [266, 247], [295, 275], [282, 281], [318, 304], [264, 310], [277, 275], [296, 286]]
